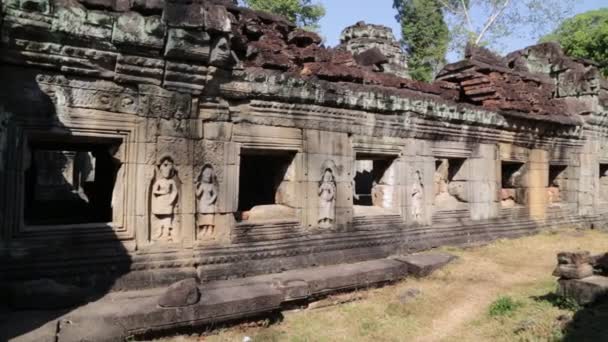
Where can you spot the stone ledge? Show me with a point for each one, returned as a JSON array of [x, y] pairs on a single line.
[[124, 314], [421, 265]]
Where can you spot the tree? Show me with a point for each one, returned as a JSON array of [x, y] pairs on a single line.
[[585, 36], [488, 22], [425, 36], [303, 13]]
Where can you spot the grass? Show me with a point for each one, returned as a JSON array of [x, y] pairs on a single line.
[[499, 292], [503, 306]]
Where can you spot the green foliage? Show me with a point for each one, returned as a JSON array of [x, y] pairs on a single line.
[[503, 306], [303, 13], [425, 36], [585, 36], [492, 23], [566, 303]]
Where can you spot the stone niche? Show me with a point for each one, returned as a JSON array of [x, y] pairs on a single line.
[[557, 184], [267, 186], [375, 192], [603, 183], [450, 185], [513, 190], [72, 182]]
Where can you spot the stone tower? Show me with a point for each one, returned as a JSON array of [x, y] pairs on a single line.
[[363, 37]]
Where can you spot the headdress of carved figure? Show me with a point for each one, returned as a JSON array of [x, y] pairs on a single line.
[[166, 167], [207, 175], [327, 177]]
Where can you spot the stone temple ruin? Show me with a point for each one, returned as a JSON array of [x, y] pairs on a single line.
[[147, 142]]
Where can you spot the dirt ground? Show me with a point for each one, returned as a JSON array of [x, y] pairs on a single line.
[[453, 304]]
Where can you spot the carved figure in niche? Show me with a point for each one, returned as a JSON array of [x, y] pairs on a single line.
[[327, 199], [417, 198], [206, 193], [181, 104], [220, 52], [164, 200]]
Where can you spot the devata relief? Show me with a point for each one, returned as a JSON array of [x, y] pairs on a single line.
[[327, 199], [164, 200], [206, 194]]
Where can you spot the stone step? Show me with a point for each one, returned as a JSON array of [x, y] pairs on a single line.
[[116, 316]]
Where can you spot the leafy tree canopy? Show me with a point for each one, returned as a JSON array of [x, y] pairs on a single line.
[[585, 36], [425, 36], [303, 13]]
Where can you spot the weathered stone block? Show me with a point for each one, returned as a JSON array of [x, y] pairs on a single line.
[[182, 14], [188, 44], [421, 265], [572, 271], [183, 293], [133, 30], [583, 291]]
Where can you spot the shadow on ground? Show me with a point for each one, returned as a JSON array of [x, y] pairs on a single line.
[[590, 323]]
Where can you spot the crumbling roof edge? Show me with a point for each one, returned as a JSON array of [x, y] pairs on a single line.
[[275, 85]]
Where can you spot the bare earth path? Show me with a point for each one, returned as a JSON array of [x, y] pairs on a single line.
[[453, 304]]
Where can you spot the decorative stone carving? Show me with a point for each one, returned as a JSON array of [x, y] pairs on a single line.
[[220, 52], [327, 199], [417, 198], [119, 189], [164, 201], [206, 194]]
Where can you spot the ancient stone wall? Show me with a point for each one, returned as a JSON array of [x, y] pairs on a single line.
[[203, 139]]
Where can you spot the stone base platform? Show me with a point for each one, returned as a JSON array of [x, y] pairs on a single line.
[[118, 315]]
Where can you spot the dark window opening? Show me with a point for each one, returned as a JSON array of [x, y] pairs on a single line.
[[511, 174], [449, 184], [555, 186], [556, 175], [70, 183], [261, 173], [604, 183], [368, 174], [512, 184]]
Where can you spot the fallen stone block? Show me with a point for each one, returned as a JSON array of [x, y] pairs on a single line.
[[421, 265], [182, 293], [583, 291], [572, 271], [576, 258]]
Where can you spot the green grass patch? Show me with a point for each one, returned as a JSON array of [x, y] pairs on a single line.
[[503, 306]]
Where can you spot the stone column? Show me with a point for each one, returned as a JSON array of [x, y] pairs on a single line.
[[588, 192], [484, 183], [329, 149], [419, 170], [538, 178]]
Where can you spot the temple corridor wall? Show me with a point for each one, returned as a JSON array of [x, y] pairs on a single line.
[[145, 143], [179, 179]]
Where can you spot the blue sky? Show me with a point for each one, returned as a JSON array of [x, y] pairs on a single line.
[[342, 13]]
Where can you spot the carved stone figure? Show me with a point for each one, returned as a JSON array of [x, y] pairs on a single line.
[[417, 197], [164, 200], [206, 194], [220, 52], [327, 200]]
